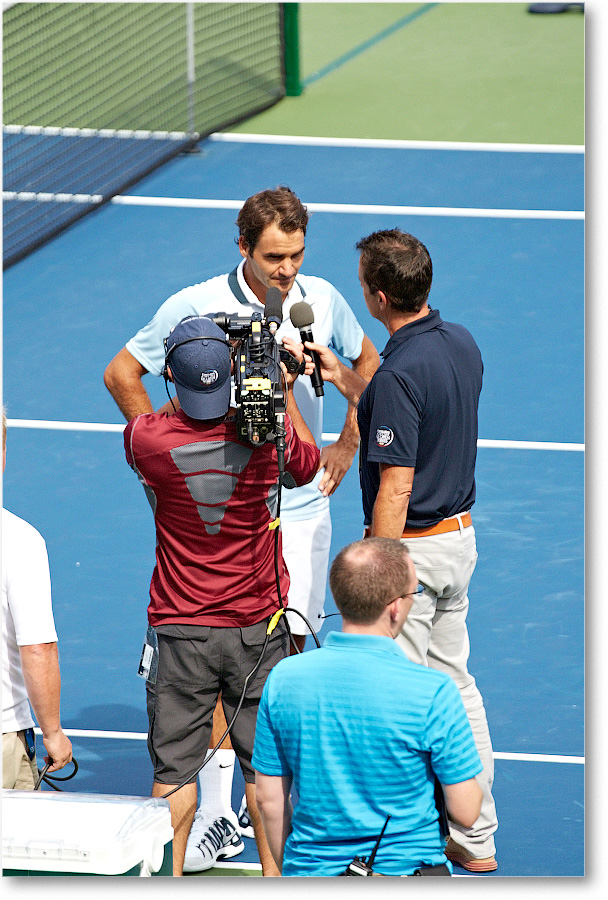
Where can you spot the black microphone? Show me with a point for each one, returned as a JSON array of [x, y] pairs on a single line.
[[273, 309], [302, 317]]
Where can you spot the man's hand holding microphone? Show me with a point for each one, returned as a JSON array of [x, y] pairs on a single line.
[[331, 369], [322, 365]]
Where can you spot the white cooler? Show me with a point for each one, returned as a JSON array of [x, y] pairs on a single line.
[[47, 833]]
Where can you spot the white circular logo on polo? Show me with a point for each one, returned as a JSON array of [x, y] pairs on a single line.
[[209, 377], [384, 436]]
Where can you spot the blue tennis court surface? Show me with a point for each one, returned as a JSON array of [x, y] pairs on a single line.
[[347, 174], [516, 282]]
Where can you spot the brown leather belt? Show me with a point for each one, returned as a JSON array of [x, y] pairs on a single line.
[[451, 524]]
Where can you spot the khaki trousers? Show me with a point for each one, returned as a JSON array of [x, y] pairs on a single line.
[[435, 634], [18, 771]]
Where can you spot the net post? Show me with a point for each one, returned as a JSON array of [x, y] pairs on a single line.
[[191, 77], [291, 39], [191, 71]]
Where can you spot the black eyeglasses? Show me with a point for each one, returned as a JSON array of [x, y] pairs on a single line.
[[419, 590]]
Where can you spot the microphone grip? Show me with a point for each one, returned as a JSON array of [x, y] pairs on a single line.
[[316, 378]]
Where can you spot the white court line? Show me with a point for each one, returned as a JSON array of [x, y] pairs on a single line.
[[381, 144], [530, 445], [540, 757], [143, 736], [360, 209], [187, 202], [327, 436], [107, 735], [505, 445], [63, 426]]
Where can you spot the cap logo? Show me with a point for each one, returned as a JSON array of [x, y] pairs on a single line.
[[209, 377], [384, 436]]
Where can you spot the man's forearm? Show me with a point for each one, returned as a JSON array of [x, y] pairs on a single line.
[[277, 825], [350, 384], [336, 459], [274, 805], [133, 402], [392, 501], [40, 667], [364, 366], [350, 430], [123, 378], [389, 517], [463, 801]]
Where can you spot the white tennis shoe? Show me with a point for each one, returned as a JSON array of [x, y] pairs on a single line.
[[211, 840], [245, 826]]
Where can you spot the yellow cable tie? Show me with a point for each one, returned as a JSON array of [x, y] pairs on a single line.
[[274, 524], [274, 621]]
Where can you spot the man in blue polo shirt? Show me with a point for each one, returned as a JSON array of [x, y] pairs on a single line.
[[418, 424], [361, 732]]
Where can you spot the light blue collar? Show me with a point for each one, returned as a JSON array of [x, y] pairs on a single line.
[[338, 640]]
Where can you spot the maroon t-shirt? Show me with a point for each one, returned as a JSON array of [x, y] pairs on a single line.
[[213, 498]]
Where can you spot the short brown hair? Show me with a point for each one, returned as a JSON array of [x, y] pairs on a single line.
[[366, 575], [278, 207], [399, 265]]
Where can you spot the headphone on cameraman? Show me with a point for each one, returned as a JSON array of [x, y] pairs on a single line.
[[202, 337]]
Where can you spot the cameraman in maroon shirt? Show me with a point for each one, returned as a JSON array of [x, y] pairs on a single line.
[[214, 586]]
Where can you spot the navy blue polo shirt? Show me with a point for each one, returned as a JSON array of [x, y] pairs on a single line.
[[420, 410]]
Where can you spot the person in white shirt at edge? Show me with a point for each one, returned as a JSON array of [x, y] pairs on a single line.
[[30, 662], [272, 227]]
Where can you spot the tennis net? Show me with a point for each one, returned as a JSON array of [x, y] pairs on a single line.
[[97, 95]]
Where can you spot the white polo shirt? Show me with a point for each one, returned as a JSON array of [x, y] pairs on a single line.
[[27, 613], [334, 326]]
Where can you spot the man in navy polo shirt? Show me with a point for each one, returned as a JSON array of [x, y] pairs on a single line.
[[418, 424]]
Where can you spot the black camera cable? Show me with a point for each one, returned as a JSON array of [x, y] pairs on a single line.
[[49, 779]]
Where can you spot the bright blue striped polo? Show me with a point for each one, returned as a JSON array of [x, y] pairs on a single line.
[[361, 730]]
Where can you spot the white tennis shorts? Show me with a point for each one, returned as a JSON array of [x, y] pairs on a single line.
[[306, 547]]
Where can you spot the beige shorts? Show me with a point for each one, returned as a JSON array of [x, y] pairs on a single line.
[[19, 772]]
